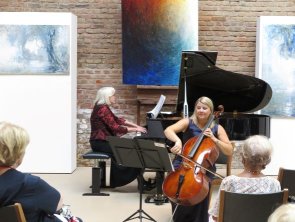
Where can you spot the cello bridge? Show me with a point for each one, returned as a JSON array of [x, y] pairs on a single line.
[[186, 165]]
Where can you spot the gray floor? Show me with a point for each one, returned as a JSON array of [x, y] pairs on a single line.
[[121, 203]]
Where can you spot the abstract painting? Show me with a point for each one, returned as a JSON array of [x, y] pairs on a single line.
[[154, 33], [34, 49], [276, 62]]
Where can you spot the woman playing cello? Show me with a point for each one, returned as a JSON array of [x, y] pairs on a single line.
[[191, 127]]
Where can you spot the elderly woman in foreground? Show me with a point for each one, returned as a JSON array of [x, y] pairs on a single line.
[[256, 154]]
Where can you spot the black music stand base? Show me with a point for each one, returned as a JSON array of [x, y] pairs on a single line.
[[140, 216], [140, 211]]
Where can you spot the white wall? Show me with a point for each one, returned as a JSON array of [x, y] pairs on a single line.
[[45, 105], [283, 140]]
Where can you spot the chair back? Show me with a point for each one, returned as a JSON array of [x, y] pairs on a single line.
[[223, 159], [241, 207], [12, 213], [287, 180]]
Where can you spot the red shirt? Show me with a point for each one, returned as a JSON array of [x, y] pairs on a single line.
[[104, 123]]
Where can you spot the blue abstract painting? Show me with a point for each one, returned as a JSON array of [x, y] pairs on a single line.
[[34, 49], [154, 34], [278, 67]]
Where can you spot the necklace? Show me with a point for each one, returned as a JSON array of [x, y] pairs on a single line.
[[254, 172]]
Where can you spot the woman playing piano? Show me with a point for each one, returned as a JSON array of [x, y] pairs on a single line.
[[105, 123], [190, 127]]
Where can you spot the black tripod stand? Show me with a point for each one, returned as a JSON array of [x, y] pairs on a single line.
[[141, 213], [141, 154]]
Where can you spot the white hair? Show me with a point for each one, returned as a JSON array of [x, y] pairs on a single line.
[[103, 95], [285, 213], [257, 150]]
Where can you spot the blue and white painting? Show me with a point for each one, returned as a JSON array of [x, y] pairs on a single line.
[[34, 49], [278, 66]]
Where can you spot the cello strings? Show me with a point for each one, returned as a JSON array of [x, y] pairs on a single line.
[[204, 168], [199, 165]]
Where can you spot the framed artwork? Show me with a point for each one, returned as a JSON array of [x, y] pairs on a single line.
[[275, 62], [154, 33], [38, 79], [34, 49]]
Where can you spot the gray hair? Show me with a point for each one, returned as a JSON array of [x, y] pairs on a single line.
[[103, 95], [13, 142], [257, 151]]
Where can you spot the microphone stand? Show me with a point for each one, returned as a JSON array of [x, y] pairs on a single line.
[[185, 105]]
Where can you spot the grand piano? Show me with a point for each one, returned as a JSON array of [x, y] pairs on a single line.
[[241, 95]]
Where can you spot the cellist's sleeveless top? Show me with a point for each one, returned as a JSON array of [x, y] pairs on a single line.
[[191, 131]]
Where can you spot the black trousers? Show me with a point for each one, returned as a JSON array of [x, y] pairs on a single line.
[[195, 213]]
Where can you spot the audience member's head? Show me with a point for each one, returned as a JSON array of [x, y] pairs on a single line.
[[284, 213], [13, 142], [103, 95], [256, 152]]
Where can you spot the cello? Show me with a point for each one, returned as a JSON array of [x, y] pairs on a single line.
[[188, 184]]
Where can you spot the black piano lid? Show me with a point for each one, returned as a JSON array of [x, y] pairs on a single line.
[[236, 92]]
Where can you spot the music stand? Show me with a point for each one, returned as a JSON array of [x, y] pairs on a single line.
[[141, 154], [155, 132]]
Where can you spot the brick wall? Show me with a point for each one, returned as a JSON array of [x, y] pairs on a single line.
[[226, 26]]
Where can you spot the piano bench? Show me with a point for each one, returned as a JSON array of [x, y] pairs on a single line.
[[98, 172]]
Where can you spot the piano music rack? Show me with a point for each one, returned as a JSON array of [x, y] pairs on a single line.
[[149, 96]]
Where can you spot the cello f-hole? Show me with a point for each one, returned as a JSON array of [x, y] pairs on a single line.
[[180, 182]]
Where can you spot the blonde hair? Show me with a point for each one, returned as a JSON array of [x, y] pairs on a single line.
[[103, 95], [206, 101], [13, 142], [284, 213], [257, 151]]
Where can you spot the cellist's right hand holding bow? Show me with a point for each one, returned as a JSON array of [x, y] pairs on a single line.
[[177, 147]]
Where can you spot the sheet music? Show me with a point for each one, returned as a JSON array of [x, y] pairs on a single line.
[[153, 114]]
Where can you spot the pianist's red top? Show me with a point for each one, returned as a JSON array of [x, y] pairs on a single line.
[[104, 123]]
